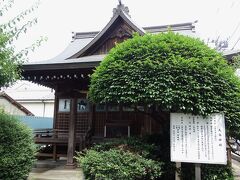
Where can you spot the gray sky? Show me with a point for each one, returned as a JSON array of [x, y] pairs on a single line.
[[58, 18]]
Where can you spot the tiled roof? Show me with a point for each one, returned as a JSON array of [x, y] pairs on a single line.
[[82, 41]]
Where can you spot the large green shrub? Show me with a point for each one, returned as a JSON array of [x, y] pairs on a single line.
[[103, 161], [154, 147], [133, 144], [171, 73], [118, 164], [17, 149]]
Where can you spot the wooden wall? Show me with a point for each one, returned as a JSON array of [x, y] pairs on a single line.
[[139, 123], [119, 32]]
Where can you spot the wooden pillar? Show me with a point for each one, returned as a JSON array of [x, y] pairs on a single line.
[[87, 139], [71, 134], [55, 108], [55, 123], [106, 121], [93, 118], [54, 152], [91, 112], [121, 113], [106, 113], [146, 123]]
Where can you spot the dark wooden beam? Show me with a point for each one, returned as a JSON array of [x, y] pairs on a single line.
[[54, 124], [71, 135]]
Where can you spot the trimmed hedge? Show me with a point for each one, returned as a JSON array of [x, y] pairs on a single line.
[[129, 158], [133, 144], [118, 164], [17, 149], [123, 158]]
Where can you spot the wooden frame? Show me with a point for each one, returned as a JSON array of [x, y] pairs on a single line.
[[117, 125]]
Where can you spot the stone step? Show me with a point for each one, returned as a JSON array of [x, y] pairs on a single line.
[[49, 163]]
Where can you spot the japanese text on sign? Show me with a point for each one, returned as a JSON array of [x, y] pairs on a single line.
[[198, 140]]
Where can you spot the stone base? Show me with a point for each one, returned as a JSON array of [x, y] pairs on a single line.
[[70, 166]]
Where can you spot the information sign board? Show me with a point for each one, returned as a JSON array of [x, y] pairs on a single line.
[[198, 140]]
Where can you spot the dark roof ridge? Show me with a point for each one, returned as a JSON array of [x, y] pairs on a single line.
[[150, 29], [119, 12], [173, 27]]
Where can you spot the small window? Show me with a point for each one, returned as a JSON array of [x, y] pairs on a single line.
[[113, 108], [116, 130], [140, 108], [128, 108], [100, 107]]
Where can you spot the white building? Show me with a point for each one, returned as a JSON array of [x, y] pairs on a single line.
[[10, 106], [37, 99]]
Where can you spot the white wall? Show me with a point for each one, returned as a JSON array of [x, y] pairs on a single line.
[[39, 108], [9, 108], [37, 99]]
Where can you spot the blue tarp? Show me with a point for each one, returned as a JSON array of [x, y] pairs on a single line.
[[36, 122]]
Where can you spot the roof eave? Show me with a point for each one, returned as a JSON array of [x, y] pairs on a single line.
[[60, 66]]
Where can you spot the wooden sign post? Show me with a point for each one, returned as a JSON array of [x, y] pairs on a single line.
[[177, 174], [198, 139], [197, 171]]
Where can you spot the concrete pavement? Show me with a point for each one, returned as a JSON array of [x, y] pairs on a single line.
[[50, 170], [59, 173], [236, 168]]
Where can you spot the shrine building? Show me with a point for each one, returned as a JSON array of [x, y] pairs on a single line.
[[75, 118]]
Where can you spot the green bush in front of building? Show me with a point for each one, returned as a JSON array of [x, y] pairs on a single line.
[[118, 164], [141, 158], [120, 159], [17, 149]]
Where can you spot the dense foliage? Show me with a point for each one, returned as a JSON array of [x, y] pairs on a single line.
[[10, 30], [9, 67], [236, 62], [133, 144], [103, 161], [118, 164], [172, 72], [208, 172], [122, 158], [17, 149]]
